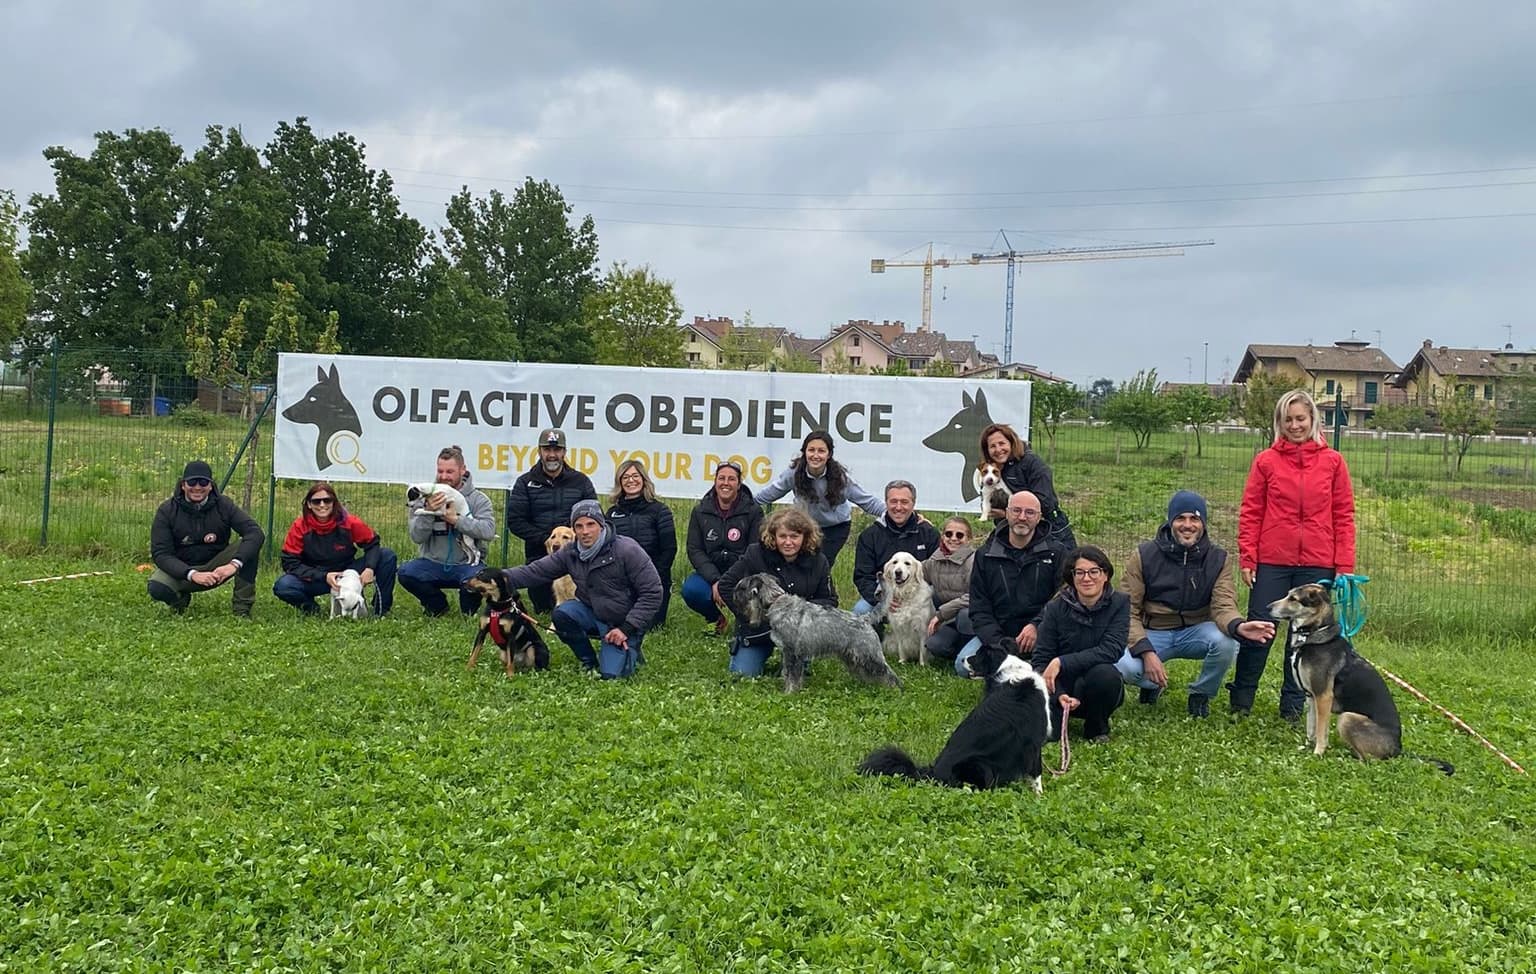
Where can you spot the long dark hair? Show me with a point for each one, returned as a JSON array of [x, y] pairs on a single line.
[[837, 475], [338, 513]]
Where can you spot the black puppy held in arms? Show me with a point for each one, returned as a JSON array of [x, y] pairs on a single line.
[[997, 743], [1337, 681], [506, 622], [804, 631]]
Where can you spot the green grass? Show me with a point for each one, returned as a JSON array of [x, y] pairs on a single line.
[[196, 794]]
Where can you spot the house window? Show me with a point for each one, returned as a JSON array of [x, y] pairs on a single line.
[[853, 340], [1328, 388], [916, 363], [693, 356], [1488, 392], [693, 338], [1371, 392], [855, 360]]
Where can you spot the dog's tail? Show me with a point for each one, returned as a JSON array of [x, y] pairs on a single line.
[[1445, 767], [895, 762]]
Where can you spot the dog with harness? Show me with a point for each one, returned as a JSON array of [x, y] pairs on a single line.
[[507, 624], [1337, 680]]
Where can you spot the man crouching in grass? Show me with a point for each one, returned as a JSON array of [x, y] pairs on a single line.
[[191, 548]]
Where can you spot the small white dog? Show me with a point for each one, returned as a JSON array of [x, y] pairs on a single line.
[[455, 501], [993, 492], [347, 597], [906, 605]]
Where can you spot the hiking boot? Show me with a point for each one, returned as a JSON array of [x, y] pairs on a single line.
[[1242, 700], [1150, 695], [1290, 715], [1199, 705]]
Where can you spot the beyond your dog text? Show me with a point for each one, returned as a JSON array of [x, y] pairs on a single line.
[[626, 413]]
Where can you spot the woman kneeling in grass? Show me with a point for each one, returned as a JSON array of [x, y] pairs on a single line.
[[789, 550]]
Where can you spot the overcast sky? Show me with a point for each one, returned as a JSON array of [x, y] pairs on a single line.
[[1364, 168]]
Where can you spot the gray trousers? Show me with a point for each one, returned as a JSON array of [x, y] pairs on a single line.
[[179, 589]]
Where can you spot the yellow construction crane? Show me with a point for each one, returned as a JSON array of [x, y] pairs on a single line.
[[1012, 257]]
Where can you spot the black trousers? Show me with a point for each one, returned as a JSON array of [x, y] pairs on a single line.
[[1270, 583], [833, 537], [1099, 692]]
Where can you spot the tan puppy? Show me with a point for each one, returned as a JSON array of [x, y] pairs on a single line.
[[559, 537]]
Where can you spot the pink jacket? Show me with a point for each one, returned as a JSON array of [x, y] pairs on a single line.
[[1298, 509]]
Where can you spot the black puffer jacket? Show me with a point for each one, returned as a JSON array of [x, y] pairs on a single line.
[[878, 542], [1033, 474], [650, 524], [715, 541], [1082, 638], [1010, 586], [808, 576], [539, 502], [184, 537]]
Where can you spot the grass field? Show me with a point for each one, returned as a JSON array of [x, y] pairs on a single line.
[[190, 793]]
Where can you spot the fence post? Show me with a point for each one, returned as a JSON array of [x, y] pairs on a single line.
[[271, 508], [53, 405], [1338, 417], [506, 533]]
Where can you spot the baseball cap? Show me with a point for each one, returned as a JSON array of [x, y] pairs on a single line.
[[552, 437]]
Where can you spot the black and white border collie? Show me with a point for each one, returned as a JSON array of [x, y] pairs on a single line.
[[997, 743]]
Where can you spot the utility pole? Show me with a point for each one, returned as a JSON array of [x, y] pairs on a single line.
[[1205, 369]]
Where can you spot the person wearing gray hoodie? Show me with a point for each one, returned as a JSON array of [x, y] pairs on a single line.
[[450, 548]]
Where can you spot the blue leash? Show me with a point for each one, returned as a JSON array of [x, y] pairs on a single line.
[[1349, 602]]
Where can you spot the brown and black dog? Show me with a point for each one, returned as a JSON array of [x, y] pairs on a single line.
[[1338, 681], [508, 625]]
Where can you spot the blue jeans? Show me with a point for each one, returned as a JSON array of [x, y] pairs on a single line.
[[1203, 642], [699, 597], [576, 624], [301, 593], [748, 659], [966, 652], [861, 608], [425, 579]]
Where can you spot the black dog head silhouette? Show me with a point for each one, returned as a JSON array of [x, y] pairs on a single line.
[[326, 408], [961, 435]]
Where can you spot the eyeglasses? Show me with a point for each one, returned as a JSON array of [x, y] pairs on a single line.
[[1087, 572], [962, 535], [317, 501], [1031, 512], [199, 482]]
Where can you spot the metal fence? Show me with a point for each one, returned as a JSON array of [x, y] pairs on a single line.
[[87, 453]]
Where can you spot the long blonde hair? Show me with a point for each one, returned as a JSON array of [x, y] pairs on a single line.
[[1284, 404]]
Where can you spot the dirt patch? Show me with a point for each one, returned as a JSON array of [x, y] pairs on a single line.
[[1509, 498]]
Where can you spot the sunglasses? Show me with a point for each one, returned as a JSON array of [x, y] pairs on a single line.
[[199, 482], [957, 534], [317, 501]]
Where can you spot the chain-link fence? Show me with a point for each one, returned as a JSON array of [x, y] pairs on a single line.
[[86, 455]]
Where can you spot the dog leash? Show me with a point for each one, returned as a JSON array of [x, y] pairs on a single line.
[[537, 624], [1348, 602], [1066, 748], [1455, 720]]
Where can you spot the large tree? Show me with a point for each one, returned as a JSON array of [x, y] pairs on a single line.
[[347, 216], [1137, 406], [525, 252], [1048, 403], [105, 253], [1464, 416], [1260, 394], [1194, 406], [633, 316], [459, 320], [15, 292]]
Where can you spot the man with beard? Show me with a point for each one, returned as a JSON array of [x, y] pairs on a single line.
[[191, 548], [1183, 606], [540, 501]]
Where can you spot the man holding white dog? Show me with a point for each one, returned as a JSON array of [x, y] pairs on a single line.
[[899, 529], [1183, 606], [190, 545], [451, 548]]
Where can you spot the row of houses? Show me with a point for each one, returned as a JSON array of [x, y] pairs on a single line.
[[859, 345]]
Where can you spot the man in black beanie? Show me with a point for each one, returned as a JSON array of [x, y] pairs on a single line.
[[191, 547]]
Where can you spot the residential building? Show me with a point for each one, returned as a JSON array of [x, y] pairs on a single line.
[[1355, 374], [1498, 377]]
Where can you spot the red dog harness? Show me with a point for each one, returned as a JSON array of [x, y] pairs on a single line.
[[497, 635]]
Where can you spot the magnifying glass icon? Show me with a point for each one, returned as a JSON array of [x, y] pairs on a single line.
[[344, 448]]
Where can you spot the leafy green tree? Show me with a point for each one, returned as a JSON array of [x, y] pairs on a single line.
[[796, 361], [939, 367], [459, 320], [1195, 406], [743, 346], [104, 252], [1137, 406], [1463, 416], [1260, 394], [358, 253], [894, 367], [1098, 394], [1517, 400], [525, 253], [1400, 417], [1048, 403], [633, 316], [15, 291]]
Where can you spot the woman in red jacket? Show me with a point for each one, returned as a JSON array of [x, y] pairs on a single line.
[[326, 540], [1296, 525]]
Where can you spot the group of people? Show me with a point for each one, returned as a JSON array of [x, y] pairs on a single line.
[[1027, 583]]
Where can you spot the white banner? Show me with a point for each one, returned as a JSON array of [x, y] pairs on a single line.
[[383, 420]]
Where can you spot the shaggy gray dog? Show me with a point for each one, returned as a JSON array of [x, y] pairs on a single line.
[[804, 631]]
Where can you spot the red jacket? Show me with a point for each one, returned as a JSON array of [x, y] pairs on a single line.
[[313, 548], [1298, 509]]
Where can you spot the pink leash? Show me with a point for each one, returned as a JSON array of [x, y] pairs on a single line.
[[1461, 724], [1066, 748]]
